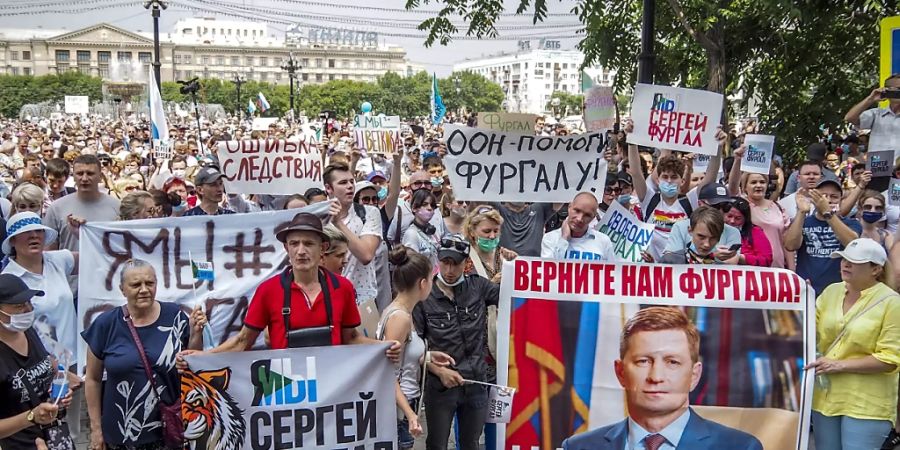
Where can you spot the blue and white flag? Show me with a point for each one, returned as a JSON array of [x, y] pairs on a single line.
[[263, 103], [251, 108], [158, 127], [437, 104]]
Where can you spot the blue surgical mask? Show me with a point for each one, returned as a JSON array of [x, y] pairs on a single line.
[[668, 189], [624, 199], [180, 208], [437, 181], [845, 147], [382, 193], [872, 216]]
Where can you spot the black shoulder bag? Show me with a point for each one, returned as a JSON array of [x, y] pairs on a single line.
[[312, 336]]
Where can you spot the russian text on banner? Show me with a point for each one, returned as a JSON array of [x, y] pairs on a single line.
[[362, 121], [270, 166], [599, 108], [630, 236], [676, 118], [496, 166], [758, 154], [560, 327], [374, 140], [312, 398], [507, 122]]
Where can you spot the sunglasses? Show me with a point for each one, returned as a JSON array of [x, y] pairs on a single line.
[[612, 190], [419, 183], [368, 200], [460, 246]]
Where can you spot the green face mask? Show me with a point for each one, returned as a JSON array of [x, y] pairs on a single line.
[[488, 245]]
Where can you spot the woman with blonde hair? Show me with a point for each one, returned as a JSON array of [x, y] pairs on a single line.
[[137, 205], [481, 228], [124, 186], [871, 208], [28, 197]]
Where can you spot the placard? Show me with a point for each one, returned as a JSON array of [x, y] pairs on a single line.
[[560, 345], [630, 236], [894, 192], [700, 163], [487, 165], [758, 155], [310, 398], [363, 121], [378, 141], [676, 118], [599, 108], [270, 166], [881, 163], [507, 122], [262, 123], [77, 104]]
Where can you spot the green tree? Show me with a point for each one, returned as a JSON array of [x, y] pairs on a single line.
[[476, 93], [804, 62], [569, 104], [19, 90]]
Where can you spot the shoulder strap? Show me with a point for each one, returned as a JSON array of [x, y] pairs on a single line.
[[287, 277], [140, 347], [398, 231], [477, 263], [686, 205], [651, 205], [852, 319], [360, 211]]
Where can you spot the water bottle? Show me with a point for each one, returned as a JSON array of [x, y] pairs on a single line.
[[60, 386], [822, 380]]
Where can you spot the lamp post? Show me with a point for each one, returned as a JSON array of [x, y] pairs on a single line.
[[238, 81], [291, 67], [155, 6], [646, 59], [456, 82]]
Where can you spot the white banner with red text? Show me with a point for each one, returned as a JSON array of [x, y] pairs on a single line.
[[270, 166], [676, 118]]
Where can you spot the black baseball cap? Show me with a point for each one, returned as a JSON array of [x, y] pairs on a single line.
[[207, 175], [714, 193], [831, 182], [14, 291], [454, 247]]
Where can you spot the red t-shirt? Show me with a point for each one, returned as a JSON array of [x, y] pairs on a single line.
[[265, 310]]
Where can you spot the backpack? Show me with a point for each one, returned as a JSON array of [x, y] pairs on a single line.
[[651, 205]]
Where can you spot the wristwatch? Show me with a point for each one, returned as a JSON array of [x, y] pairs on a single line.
[[30, 416], [827, 216]]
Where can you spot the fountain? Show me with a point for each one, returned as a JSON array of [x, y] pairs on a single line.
[[127, 81]]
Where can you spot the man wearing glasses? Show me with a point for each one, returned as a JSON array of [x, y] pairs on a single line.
[[453, 320]]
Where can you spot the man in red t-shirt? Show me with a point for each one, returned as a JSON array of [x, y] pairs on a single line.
[[304, 242]]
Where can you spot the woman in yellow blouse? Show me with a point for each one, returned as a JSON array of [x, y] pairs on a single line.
[[858, 336]]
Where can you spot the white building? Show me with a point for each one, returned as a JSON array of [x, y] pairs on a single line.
[[530, 76]]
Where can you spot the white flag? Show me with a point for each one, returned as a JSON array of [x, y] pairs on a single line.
[[158, 126]]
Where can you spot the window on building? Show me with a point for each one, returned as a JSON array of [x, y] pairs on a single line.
[[263, 61], [235, 60], [145, 57], [345, 77], [330, 76], [14, 56], [26, 56], [123, 56], [358, 64], [277, 76], [14, 70], [177, 74], [384, 65], [304, 77], [187, 59], [204, 60], [345, 63], [104, 71], [84, 69], [177, 59], [264, 76], [547, 86], [371, 64], [305, 62], [319, 77], [331, 64], [220, 60], [318, 63], [188, 73], [249, 60], [62, 56], [26, 71]]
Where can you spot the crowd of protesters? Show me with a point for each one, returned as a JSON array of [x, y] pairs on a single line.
[[432, 264]]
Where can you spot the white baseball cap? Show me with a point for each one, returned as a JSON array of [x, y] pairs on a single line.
[[863, 250]]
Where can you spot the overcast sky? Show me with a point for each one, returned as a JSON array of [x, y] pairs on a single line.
[[437, 58]]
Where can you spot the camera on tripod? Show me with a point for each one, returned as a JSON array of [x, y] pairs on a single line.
[[189, 87]]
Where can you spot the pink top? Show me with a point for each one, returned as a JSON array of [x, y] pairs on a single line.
[[773, 221], [759, 252]]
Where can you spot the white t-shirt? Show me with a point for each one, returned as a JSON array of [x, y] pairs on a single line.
[[54, 313], [663, 217], [593, 246], [363, 275], [427, 245]]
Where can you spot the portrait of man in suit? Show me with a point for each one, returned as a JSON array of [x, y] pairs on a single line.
[[658, 366]]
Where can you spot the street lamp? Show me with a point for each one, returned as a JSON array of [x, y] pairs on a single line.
[[555, 104], [291, 67], [456, 82], [238, 81], [646, 58], [155, 6]]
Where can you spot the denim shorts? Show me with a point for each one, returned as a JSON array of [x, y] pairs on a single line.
[[404, 438]]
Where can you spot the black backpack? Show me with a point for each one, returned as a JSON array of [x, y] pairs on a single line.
[[651, 205]]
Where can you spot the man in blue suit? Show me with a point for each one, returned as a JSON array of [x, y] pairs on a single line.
[[659, 366]]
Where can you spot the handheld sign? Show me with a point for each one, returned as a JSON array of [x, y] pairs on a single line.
[[894, 192], [676, 118], [77, 104], [490, 165], [270, 166], [701, 162], [262, 123], [630, 236], [758, 157], [376, 122], [881, 163], [377, 140], [507, 122], [599, 108]]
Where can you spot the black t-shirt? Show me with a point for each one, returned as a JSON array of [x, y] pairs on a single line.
[[21, 379]]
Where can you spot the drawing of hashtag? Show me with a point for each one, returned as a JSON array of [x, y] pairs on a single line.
[[256, 250]]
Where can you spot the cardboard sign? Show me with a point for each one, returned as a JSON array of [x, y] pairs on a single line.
[[312, 398], [599, 108], [676, 118], [881, 163], [559, 336], [270, 166], [630, 236], [500, 399], [378, 141], [377, 122], [77, 104], [262, 123], [758, 157], [701, 163], [507, 122], [489, 165], [893, 192]]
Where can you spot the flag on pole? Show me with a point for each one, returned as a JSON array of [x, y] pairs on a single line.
[[158, 127], [263, 103], [437, 103], [586, 82], [251, 108], [203, 270]]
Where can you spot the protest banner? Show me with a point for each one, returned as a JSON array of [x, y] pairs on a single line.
[[262, 123], [270, 166], [630, 236], [881, 163], [242, 248], [599, 108], [77, 104], [507, 122], [377, 141], [893, 192], [700, 163], [504, 167], [758, 155], [376, 122], [559, 345], [311, 398], [676, 118]]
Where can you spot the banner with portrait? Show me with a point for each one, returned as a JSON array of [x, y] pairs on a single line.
[[734, 346]]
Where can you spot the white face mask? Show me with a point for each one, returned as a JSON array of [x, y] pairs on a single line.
[[455, 283], [19, 322], [178, 173]]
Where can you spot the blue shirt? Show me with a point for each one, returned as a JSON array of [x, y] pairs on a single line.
[[126, 391], [814, 261], [672, 433]]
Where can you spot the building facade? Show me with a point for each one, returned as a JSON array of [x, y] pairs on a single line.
[[529, 77], [204, 48]]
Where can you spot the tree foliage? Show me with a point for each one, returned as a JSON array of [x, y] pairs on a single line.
[[805, 63], [19, 90], [569, 104]]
